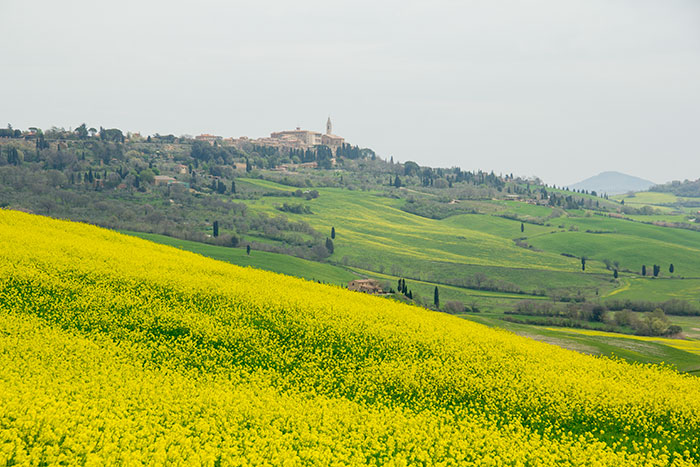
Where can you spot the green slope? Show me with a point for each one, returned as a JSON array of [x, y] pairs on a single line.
[[275, 262], [373, 233]]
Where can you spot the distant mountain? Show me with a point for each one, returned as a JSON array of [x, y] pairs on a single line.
[[613, 183]]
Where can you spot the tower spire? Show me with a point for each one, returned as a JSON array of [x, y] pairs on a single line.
[[329, 126]]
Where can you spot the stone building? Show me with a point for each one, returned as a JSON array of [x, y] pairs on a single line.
[[299, 138], [370, 286]]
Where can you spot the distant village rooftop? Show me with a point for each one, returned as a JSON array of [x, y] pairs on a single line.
[[295, 139]]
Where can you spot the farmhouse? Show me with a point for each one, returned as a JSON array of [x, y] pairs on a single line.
[[366, 285], [163, 180]]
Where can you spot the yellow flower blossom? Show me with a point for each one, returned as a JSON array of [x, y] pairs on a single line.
[[114, 350]]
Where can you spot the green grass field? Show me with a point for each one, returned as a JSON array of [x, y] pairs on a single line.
[[275, 262], [470, 297], [684, 355], [638, 288], [648, 198], [373, 233]]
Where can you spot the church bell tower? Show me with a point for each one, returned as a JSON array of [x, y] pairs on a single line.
[[329, 127]]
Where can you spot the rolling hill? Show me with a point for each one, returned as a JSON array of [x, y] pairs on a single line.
[[119, 350], [484, 264], [379, 236], [613, 183]]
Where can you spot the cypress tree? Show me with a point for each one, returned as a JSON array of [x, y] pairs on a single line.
[[615, 274], [216, 228], [644, 270], [233, 187], [522, 227], [332, 233], [671, 268], [329, 245], [436, 298], [583, 263], [247, 250]]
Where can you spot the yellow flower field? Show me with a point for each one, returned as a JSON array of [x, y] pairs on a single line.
[[117, 350]]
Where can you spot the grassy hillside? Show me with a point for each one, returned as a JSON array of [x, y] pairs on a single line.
[[683, 354], [632, 244], [117, 350], [375, 234], [276, 262]]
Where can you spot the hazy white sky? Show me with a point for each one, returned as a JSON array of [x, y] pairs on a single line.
[[562, 89]]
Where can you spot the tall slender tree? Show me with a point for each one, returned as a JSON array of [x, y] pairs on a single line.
[[436, 297]]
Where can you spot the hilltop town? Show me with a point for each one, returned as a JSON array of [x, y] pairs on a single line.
[[289, 139]]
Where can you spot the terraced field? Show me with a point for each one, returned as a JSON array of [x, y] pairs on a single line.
[[115, 350]]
